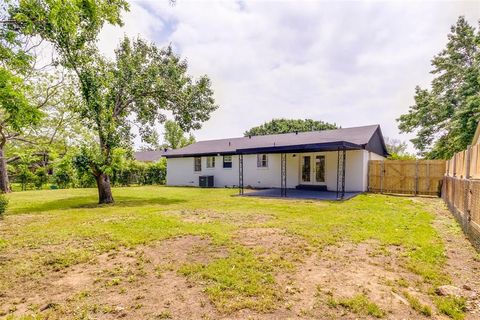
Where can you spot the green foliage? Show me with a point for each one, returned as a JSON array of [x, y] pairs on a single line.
[[174, 137], [69, 25], [41, 177], [135, 172], [155, 173], [64, 172], [405, 156], [289, 125], [398, 150], [248, 285], [17, 111], [454, 307], [14, 54], [359, 304], [3, 204], [445, 117], [141, 83], [417, 305], [25, 176], [395, 146]]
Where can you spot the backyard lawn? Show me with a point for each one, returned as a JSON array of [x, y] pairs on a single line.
[[187, 253]]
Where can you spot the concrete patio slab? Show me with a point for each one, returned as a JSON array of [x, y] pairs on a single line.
[[298, 194]]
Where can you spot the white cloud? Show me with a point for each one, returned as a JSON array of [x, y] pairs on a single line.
[[353, 63]]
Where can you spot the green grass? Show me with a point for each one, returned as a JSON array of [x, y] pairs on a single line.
[[239, 281], [454, 307], [51, 230], [417, 305], [359, 304]]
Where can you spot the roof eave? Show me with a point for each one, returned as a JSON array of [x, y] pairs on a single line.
[[314, 147]]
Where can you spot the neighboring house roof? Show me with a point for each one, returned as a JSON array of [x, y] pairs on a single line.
[[366, 137], [148, 156], [476, 137]]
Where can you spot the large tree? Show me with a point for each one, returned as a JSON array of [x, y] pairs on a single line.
[[445, 116], [59, 127], [289, 125], [397, 149], [174, 137], [17, 112], [134, 89]]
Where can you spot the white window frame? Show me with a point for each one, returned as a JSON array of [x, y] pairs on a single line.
[[195, 164], [231, 162], [210, 162], [261, 161]]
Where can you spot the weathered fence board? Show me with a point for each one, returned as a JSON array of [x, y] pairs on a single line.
[[414, 177], [461, 191]]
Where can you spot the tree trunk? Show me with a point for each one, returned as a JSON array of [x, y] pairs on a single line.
[[4, 182], [104, 190]]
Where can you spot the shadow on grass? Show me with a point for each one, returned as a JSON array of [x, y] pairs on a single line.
[[90, 202]]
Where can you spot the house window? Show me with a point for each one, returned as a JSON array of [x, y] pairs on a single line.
[[320, 168], [227, 161], [262, 161], [197, 164], [210, 162], [306, 169]]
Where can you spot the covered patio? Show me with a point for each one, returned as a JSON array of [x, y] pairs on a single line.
[[298, 194], [340, 147]]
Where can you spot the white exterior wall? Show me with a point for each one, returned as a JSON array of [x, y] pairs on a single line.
[[180, 171]]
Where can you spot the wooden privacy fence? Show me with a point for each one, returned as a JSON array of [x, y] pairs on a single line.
[[413, 177], [461, 191]]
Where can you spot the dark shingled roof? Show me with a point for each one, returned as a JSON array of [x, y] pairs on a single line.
[[366, 137], [148, 156]]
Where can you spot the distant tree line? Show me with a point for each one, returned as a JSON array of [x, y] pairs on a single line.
[[71, 171], [277, 126]]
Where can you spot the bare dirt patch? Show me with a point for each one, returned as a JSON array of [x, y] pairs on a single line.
[[180, 250], [139, 283], [208, 216], [348, 270], [274, 241]]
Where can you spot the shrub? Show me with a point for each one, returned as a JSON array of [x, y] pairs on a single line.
[[41, 177], [25, 176], [156, 173], [64, 172], [3, 203]]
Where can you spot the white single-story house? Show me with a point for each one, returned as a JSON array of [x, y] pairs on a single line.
[[333, 160]]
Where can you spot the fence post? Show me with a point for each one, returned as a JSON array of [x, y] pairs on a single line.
[[416, 177], [382, 175], [467, 183], [468, 162], [368, 175], [454, 179], [427, 176]]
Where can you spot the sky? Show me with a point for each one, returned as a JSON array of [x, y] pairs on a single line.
[[346, 62]]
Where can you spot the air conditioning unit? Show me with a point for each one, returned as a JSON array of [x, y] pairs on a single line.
[[206, 181]]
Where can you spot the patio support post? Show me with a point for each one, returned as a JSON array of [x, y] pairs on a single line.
[[341, 163], [240, 174], [283, 174], [344, 167]]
